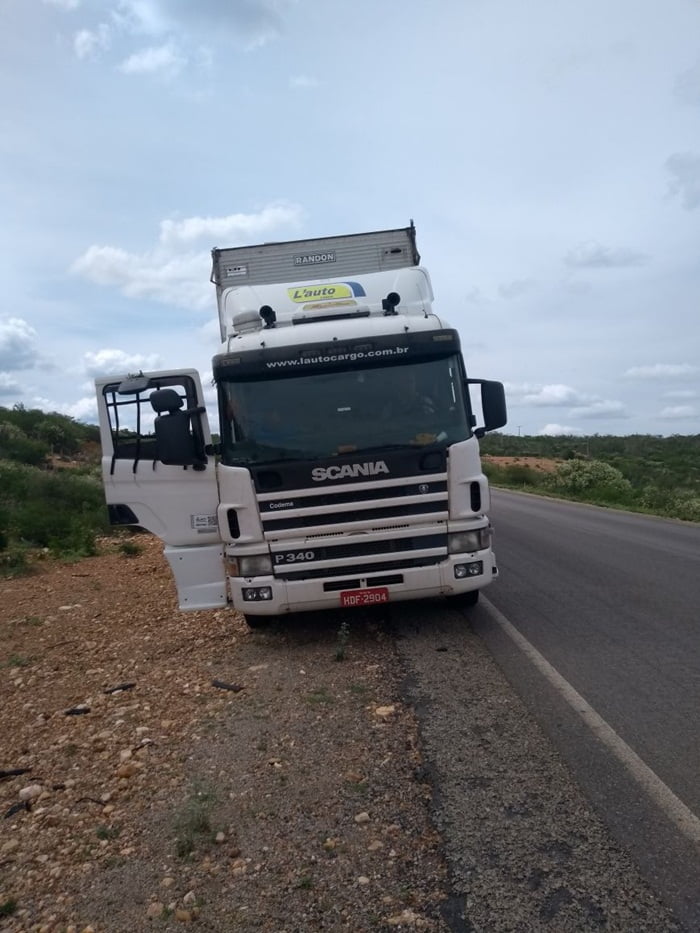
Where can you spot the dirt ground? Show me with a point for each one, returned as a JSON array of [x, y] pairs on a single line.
[[161, 768], [534, 463]]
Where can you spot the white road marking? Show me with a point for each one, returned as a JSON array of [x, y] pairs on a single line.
[[661, 794]]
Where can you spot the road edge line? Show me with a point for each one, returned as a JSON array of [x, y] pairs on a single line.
[[662, 795]]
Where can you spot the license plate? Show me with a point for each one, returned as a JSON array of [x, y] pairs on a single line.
[[378, 594]]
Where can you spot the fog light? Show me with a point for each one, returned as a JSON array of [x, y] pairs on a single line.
[[257, 593], [475, 569]]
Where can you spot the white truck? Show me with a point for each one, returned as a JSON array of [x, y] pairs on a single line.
[[347, 470]]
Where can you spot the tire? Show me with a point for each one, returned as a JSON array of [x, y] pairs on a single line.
[[464, 600]]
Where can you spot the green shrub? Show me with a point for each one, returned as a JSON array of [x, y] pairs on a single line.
[[4, 527], [16, 445], [62, 511], [517, 474], [592, 480], [657, 499], [685, 506], [13, 562]]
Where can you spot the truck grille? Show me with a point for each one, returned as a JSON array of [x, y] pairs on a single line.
[[357, 532], [387, 502]]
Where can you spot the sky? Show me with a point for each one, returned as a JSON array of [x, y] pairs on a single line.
[[548, 153]]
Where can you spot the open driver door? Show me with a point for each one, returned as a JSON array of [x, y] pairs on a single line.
[[159, 473]]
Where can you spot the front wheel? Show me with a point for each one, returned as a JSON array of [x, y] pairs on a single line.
[[464, 600]]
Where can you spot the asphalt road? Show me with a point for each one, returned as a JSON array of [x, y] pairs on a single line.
[[598, 612]]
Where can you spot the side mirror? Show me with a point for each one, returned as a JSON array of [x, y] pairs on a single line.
[[493, 405]]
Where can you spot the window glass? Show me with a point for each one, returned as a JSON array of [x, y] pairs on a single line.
[[333, 413], [131, 417]]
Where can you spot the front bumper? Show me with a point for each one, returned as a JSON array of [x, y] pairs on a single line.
[[305, 595]]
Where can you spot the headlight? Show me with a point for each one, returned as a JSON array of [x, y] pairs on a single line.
[[249, 565], [460, 542]]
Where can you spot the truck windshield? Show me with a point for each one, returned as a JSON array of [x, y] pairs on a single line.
[[332, 413]]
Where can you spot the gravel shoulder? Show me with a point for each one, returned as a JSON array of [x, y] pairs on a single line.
[[283, 799], [346, 772]]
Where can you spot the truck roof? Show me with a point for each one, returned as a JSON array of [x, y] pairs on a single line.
[[328, 332], [324, 275]]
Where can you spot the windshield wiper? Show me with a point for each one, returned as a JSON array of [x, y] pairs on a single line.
[[272, 455]]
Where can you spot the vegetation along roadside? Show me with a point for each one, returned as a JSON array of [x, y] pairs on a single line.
[[52, 500], [638, 472]]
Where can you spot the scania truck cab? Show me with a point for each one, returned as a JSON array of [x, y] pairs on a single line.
[[346, 472]]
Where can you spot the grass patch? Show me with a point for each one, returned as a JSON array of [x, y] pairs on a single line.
[[359, 690], [129, 548], [8, 907], [193, 823], [342, 640], [32, 620], [107, 832], [319, 696], [18, 660]]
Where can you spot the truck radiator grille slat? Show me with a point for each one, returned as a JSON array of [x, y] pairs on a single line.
[[366, 495], [280, 522], [369, 547], [308, 573]]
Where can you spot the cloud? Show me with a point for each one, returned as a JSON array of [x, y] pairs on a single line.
[[554, 396], [662, 371], [182, 279], [17, 349], [684, 168], [108, 361], [681, 393], [233, 227], [603, 408], [474, 296], [163, 59], [516, 288], [141, 17], [178, 33], [302, 81], [577, 287], [9, 386], [687, 86], [579, 404], [592, 255], [84, 410], [88, 43], [250, 23], [172, 273], [680, 412], [256, 21], [558, 430]]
